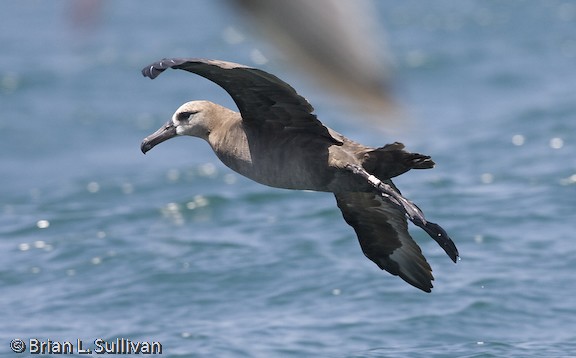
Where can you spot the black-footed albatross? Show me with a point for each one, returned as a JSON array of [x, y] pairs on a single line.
[[276, 140]]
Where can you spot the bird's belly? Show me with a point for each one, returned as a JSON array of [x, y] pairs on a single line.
[[286, 174], [293, 169]]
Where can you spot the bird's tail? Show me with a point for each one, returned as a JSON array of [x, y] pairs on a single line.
[[392, 160]]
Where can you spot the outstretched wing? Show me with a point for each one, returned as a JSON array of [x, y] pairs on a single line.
[[264, 100], [382, 230]]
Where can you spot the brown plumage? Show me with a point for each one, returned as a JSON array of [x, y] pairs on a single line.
[[276, 140]]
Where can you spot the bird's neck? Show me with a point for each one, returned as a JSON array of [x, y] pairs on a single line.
[[229, 142]]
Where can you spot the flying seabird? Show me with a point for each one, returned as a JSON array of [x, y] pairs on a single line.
[[276, 140]]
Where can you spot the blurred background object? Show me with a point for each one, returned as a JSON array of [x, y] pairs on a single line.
[[85, 14], [339, 43]]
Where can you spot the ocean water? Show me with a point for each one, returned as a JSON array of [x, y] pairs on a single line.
[[100, 241]]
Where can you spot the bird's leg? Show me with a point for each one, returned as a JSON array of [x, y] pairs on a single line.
[[410, 209]]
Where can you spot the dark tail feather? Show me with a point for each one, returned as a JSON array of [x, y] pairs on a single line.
[[392, 160]]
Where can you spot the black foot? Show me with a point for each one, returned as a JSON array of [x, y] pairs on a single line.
[[440, 236]]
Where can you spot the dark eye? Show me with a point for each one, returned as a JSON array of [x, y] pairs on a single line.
[[183, 116]]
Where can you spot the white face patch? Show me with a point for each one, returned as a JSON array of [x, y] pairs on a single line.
[[179, 130]]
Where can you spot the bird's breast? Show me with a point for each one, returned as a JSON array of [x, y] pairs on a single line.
[[291, 162]]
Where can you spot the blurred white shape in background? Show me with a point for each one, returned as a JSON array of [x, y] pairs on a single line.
[[339, 42]]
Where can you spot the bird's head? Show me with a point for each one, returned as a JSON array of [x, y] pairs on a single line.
[[190, 119]]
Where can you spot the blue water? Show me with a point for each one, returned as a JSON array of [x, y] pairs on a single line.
[[100, 241]]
